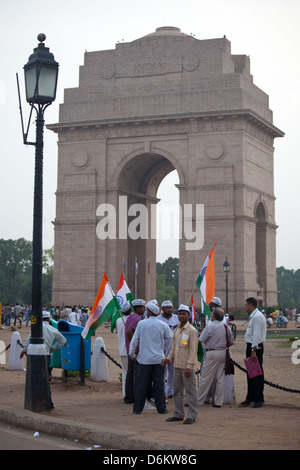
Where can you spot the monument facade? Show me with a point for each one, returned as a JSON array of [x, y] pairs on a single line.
[[162, 102]]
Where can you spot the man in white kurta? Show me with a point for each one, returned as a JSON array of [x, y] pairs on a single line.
[[214, 340], [120, 328]]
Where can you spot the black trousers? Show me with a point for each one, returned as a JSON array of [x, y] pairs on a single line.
[[147, 374], [131, 379], [255, 390]]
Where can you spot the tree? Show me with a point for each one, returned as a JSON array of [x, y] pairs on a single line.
[[288, 284], [164, 291], [48, 259], [16, 272], [170, 270], [15, 268]]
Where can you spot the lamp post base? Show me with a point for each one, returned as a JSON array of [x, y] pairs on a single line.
[[37, 389]]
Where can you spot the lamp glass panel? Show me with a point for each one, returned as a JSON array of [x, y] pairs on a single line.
[[30, 80], [47, 82]]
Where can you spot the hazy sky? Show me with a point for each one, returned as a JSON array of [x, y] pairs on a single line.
[[266, 30]]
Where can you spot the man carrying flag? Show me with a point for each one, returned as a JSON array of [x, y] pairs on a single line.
[[123, 294], [206, 282], [104, 307]]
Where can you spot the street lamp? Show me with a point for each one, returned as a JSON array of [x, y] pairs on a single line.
[[41, 73], [226, 268]]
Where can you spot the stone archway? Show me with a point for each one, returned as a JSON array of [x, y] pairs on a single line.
[[137, 181], [164, 101]]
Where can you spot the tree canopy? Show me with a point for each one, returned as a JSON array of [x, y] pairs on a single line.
[[16, 272]]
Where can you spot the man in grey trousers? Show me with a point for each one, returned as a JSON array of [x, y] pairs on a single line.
[[183, 355]]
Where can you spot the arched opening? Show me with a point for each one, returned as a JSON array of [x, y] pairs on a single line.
[[261, 246], [167, 239], [147, 181]]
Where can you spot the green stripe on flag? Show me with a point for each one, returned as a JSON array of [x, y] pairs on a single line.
[[117, 314], [110, 309]]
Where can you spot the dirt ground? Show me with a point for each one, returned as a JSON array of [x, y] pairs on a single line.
[[274, 426]]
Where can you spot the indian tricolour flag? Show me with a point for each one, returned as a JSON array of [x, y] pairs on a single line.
[[123, 294], [206, 282], [104, 307]]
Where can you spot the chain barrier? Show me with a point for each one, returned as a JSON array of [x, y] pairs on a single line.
[[267, 382], [109, 357], [2, 352], [18, 342]]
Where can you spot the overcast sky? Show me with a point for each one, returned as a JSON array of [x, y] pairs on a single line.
[[265, 30]]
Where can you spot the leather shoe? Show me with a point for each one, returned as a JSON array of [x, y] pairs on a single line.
[[188, 421], [245, 403], [174, 418], [258, 404]]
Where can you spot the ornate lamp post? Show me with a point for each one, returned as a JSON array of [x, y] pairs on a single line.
[[41, 72], [226, 268]]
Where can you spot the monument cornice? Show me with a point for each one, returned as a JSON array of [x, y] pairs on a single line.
[[196, 122]]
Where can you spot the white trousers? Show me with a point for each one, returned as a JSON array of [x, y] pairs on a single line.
[[213, 368], [124, 361]]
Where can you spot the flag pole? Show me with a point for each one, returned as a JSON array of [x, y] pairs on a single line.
[[168, 349], [135, 278], [191, 293], [148, 278]]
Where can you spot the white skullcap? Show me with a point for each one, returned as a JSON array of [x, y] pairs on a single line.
[[153, 308], [138, 302], [183, 307], [154, 301], [125, 307], [46, 314], [217, 301], [167, 303]]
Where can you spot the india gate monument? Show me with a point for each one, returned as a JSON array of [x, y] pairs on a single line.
[[166, 101]]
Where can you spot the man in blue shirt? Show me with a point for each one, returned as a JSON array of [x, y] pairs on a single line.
[[150, 334], [172, 321]]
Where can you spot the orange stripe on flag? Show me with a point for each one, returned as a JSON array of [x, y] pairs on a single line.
[[210, 276], [100, 293], [121, 281]]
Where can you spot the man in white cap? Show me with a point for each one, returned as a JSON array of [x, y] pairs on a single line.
[[130, 327], [53, 340], [120, 328], [150, 334], [172, 321], [215, 303], [184, 357]]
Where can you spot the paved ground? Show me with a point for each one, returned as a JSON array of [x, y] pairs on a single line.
[[95, 413]]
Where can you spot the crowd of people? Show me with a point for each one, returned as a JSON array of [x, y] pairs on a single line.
[[17, 315], [159, 353]]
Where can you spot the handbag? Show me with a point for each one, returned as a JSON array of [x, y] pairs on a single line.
[[253, 367], [229, 366]]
